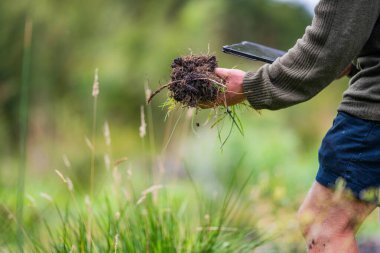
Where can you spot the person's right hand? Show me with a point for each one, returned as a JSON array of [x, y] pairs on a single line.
[[234, 93]]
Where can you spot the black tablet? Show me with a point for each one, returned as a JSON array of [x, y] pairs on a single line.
[[254, 51]]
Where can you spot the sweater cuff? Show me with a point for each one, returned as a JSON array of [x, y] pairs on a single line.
[[256, 96]]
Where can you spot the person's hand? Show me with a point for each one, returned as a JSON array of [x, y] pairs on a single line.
[[346, 71], [234, 93], [234, 86]]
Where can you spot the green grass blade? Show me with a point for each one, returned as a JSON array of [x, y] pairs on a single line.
[[24, 110]]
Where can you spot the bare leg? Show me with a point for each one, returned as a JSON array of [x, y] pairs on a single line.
[[329, 220]]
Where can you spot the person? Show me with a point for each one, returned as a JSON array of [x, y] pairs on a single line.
[[342, 32]]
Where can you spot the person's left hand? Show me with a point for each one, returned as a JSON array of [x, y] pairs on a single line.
[[234, 93]]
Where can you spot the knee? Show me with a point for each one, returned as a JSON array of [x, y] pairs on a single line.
[[318, 224]]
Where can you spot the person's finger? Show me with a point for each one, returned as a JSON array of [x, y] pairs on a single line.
[[222, 72]]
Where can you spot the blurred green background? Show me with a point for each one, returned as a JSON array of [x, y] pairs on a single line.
[[133, 43]]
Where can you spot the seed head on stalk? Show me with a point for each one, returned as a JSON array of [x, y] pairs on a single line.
[[95, 86]]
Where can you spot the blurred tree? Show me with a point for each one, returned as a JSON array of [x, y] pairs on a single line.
[[12, 21], [265, 21], [129, 41]]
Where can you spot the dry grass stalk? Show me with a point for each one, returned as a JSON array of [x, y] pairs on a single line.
[[66, 180], [89, 144], [120, 161], [73, 249], [107, 134], [107, 161], [153, 188], [61, 176], [142, 129], [116, 242], [148, 93], [46, 196], [31, 199], [95, 86], [66, 161]]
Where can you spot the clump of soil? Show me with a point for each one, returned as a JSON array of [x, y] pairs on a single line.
[[193, 81]]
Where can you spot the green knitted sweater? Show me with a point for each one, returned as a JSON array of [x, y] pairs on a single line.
[[341, 31]]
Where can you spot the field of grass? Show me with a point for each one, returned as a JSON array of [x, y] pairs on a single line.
[[192, 193], [89, 168], [124, 208]]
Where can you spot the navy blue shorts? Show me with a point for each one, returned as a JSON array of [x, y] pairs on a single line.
[[351, 151]]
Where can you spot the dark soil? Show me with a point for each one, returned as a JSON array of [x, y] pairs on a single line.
[[193, 81]]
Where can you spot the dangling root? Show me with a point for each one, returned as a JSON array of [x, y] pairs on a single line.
[[158, 91]]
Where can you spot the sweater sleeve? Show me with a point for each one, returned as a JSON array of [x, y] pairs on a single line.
[[339, 30]]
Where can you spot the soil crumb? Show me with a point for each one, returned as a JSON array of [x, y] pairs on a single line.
[[193, 81]]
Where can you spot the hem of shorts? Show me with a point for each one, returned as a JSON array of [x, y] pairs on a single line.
[[328, 180]]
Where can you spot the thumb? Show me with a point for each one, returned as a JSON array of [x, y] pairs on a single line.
[[222, 72]]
